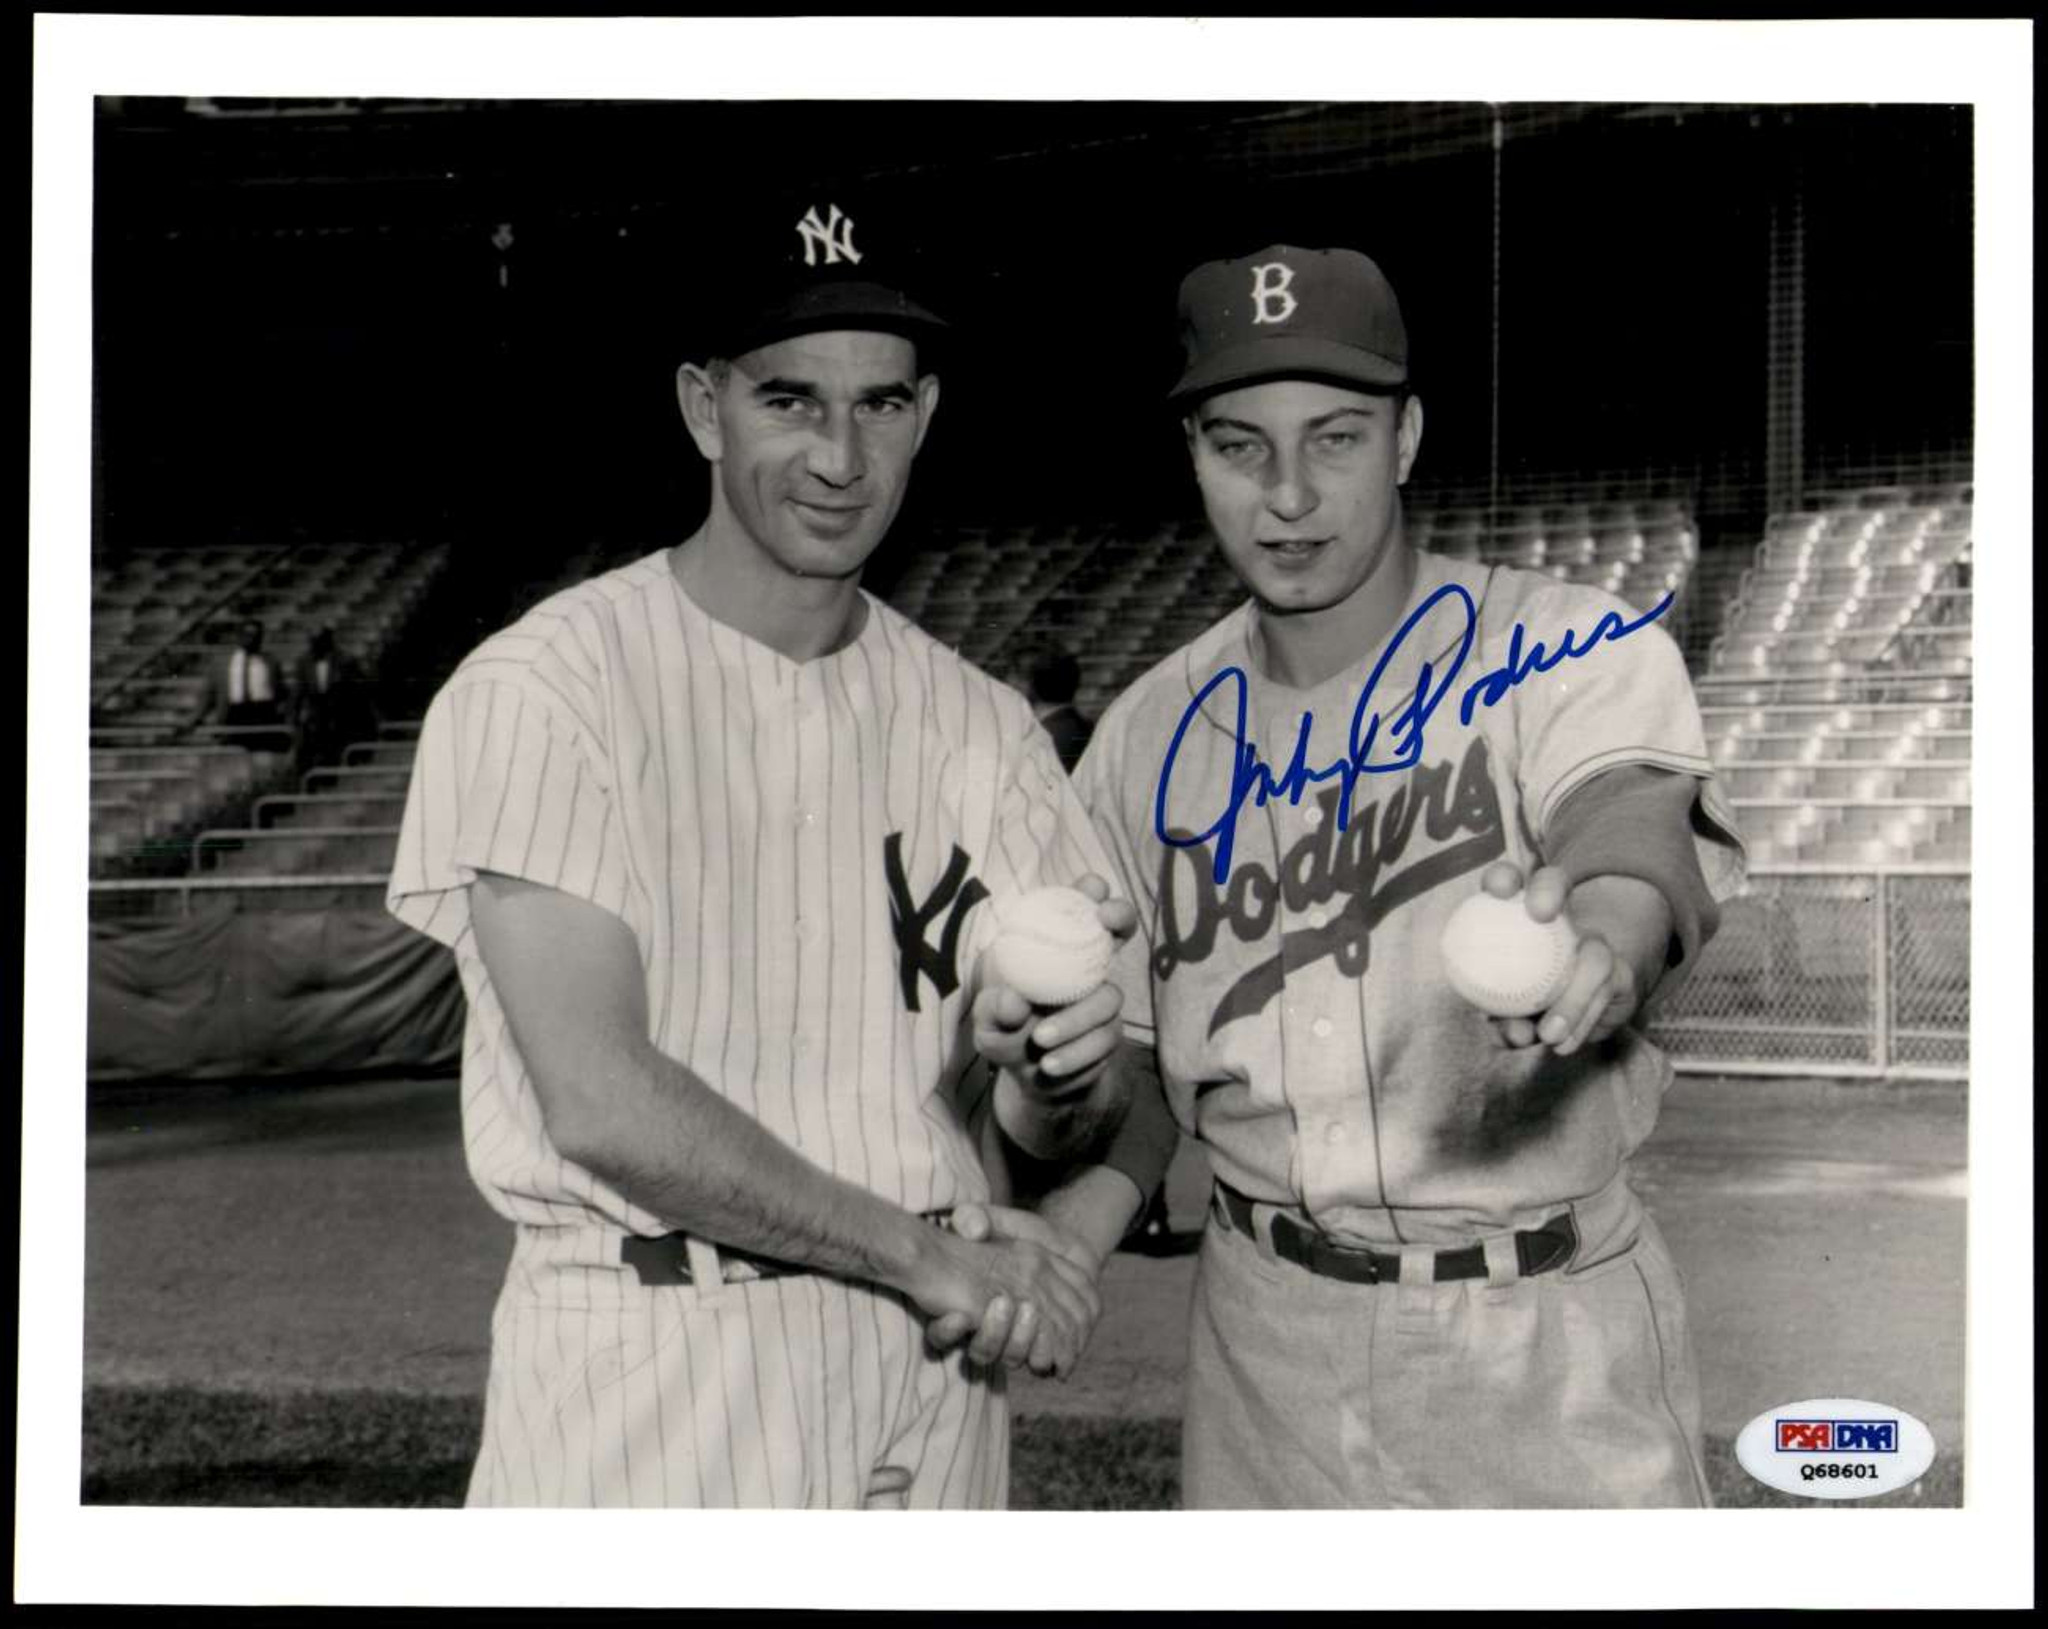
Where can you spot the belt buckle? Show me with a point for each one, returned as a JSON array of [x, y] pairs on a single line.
[[1361, 1264], [1375, 1264], [1318, 1253]]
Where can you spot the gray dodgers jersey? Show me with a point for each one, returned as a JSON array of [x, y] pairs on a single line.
[[1305, 1028]]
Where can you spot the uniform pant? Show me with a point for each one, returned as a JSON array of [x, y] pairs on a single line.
[[802, 1391], [1571, 1388]]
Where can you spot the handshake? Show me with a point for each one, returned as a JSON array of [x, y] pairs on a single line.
[[1021, 1291], [1015, 1286]]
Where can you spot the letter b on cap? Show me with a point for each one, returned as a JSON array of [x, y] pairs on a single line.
[[1269, 289]]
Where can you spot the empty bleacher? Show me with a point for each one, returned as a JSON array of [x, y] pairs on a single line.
[[1121, 598], [1836, 680], [1837, 693], [161, 619], [342, 821], [144, 793], [1638, 550], [327, 840], [1852, 588]]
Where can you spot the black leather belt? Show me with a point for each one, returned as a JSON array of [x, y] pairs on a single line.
[[664, 1262], [1538, 1250]]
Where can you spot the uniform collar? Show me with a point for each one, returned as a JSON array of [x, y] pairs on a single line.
[[867, 609]]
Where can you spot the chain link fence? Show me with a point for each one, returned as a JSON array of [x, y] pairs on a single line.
[[1831, 971]]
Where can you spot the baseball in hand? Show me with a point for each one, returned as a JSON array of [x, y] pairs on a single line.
[[1502, 960], [1050, 947]]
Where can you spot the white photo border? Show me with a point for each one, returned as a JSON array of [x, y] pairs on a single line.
[[1978, 1556]]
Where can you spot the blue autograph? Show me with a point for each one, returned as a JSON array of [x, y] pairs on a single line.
[[1253, 778]]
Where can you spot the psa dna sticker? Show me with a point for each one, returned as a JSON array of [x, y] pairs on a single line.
[[1835, 1448]]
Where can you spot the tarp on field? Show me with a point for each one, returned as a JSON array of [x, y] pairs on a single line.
[[226, 994]]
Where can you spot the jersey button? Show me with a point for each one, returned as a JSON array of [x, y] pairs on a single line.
[[1320, 1029], [1318, 917], [1312, 816], [1334, 1133]]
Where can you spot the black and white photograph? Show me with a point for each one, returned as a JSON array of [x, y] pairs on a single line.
[[1034, 767]]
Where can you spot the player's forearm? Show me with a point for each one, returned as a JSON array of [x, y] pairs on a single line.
[[1068, 1124], [669, 1143], [1096, 1205]]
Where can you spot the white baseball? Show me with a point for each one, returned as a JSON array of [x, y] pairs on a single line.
[[1502, 960], [1050, 946]]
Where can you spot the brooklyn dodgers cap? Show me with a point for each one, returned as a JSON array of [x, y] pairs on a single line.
[[822, 260], [1287, 312]]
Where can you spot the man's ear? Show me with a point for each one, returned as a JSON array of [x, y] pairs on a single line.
[[927, 405], [698, 398], [1410, 434]]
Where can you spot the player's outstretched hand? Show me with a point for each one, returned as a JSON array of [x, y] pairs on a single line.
[[1017, 1339], [1623, 925], [1056, 1052], [1022, 1297]]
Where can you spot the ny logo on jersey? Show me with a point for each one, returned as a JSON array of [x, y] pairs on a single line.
[[1266, 290], [915, 953], [834, 235]]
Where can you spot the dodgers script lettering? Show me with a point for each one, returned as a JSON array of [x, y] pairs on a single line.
[[1253, 779], [1358, 877]]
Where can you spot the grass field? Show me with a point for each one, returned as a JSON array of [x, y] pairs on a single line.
[[288, 1293], [183, 1446]]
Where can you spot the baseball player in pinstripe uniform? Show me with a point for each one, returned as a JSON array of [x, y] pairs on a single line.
[[713, 838], [1426, 1280]]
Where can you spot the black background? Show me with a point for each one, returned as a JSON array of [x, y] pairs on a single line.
[[300, 330]]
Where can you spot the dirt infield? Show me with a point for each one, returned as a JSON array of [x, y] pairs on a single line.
[[313, 1238]]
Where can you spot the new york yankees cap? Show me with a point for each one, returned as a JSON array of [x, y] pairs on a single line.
[[1288, 313], [825, 260]]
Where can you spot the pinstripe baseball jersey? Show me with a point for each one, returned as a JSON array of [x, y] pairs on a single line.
[[802, 852], [1305, 1027]]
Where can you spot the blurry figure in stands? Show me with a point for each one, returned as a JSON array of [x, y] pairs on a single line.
[[246, 692], [1051, 677], [331, 702]]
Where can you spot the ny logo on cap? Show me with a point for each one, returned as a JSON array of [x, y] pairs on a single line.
[[834, 235], [1266, 290]]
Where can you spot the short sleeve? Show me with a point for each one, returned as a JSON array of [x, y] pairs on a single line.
[[1043, 835], [504, 780], [1625, 701], [1095, 783]]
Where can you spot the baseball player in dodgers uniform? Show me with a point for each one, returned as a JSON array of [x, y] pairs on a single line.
[[713, 838], [1426, 1280]]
